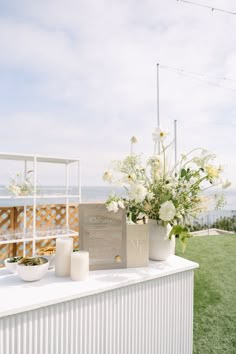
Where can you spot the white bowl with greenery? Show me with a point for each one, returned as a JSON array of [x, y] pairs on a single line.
[[32, 268], [11, 263]]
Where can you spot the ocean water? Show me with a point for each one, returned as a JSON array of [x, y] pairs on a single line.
[[94, 194], [88, 194]]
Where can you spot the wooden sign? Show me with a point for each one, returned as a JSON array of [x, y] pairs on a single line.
[[103, 235]]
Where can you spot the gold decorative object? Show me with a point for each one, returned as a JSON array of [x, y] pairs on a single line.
[[118, 259]]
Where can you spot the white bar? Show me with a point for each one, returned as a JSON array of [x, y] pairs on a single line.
[[151, 316], [50, 290]]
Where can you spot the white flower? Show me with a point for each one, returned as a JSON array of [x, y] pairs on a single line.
[[203, 159], [226, 184], [137, 192], [150, 196], [121, 204], [167, 211], [155, 161], [159, 135], [107, 176], [213, 172], [113, 206], [130, 178], [193, 180], [141, 216]]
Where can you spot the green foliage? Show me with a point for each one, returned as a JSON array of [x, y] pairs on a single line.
[[32, 261], [14, 259], [226, 223], [223, 223], [183, 233]]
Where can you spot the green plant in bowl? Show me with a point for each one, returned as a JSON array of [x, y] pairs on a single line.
[[14, 259], [10, 263], [32, 261]]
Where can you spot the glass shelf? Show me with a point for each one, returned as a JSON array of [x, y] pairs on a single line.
[[40, 235], [43, 196]]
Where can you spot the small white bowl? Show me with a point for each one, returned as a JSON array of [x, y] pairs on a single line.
[[10, 266], [32, 273]]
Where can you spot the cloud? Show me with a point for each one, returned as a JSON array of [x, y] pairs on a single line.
[[93, 70]]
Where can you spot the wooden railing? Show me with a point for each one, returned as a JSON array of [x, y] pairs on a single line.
[[48, 217]]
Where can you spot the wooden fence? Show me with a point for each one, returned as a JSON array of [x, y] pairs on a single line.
[[48, 217]]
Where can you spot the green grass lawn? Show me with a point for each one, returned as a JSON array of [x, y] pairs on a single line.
[[214, 293]]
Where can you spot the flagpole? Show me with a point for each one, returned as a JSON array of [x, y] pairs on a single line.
[[175, 141], [158, 106]]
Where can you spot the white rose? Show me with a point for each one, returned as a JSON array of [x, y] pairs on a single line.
[[167, 211], [137, 192], [112, 206]]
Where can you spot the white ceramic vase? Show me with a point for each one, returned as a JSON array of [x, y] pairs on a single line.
[[160, 246]]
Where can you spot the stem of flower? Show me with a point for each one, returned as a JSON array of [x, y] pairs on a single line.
[[155, 148], [164, 160]]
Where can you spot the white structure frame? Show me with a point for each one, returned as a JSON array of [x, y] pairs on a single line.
[[35, 159]]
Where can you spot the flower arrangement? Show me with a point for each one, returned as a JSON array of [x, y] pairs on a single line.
[[21, 186], [157, 189]]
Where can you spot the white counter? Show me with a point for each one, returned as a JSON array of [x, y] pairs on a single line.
[[124, 311], [18, 296]]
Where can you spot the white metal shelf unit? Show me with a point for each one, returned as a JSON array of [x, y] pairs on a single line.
[[36, 159]]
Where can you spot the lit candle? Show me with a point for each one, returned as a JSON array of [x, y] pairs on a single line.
[[79, 267], [64, 247]]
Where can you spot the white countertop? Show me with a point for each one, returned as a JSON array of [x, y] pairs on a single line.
[[17, 296]]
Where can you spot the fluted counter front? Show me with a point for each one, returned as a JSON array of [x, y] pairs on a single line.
[[124, 311]]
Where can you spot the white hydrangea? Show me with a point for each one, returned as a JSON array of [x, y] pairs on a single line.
[[167, 211], [137, 192]]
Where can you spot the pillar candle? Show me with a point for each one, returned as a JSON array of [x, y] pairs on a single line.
[[64, 248], [79, 267]]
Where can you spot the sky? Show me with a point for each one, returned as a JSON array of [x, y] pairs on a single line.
[[79, 78]]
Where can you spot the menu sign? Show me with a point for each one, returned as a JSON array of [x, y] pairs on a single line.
[[103, 235]]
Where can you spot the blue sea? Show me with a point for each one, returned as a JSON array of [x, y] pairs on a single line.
[[92, 194]]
